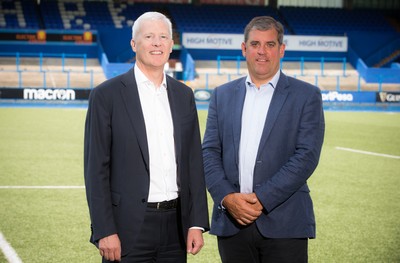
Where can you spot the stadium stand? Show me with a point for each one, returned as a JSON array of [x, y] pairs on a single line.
[[112, 20], [64, 14], [106, 15], [360, 25]]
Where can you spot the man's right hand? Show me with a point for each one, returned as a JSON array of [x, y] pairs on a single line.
[[110, 248], [245, 208]]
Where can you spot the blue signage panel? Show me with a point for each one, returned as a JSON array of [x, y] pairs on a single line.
[[351, 96]]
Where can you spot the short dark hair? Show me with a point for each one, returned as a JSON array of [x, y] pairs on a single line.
[[264, 23]]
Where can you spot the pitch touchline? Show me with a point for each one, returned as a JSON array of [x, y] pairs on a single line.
[[40, 187], [369, 153], [8, 251]]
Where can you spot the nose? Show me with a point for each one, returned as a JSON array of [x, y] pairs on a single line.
[[156, 41], [261, 49]]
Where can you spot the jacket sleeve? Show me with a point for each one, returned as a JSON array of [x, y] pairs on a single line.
[[217, 183], [97, 148], [199, 207]]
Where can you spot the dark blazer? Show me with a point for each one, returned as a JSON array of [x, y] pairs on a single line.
[[288, 153], [116, 159]]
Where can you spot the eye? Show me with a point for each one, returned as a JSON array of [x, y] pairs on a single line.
[[164, 37], [271, 44], [254, 44]]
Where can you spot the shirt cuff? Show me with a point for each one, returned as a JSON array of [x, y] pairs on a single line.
[[221, 204], [197, 227]]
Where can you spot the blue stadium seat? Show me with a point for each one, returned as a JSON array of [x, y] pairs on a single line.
[[11, 20]]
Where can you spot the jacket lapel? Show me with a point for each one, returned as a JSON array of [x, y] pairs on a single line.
[[278, 99], [174, 114], [239, 95], [130, 97]]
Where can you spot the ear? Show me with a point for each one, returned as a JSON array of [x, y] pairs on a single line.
[[244, 49], [282, 50], [172, 46], [133, 45]]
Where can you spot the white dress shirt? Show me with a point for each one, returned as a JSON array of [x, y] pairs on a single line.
[[255, 109], [160, 138]]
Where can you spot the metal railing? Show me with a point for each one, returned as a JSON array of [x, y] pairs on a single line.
[[48, 70]]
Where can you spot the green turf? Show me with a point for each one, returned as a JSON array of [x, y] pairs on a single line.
[[355, 195]]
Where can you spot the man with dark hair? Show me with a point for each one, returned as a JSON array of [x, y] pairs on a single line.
[[262, 142]]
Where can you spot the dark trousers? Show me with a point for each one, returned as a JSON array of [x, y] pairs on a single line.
[[160, 239], [251, 247]]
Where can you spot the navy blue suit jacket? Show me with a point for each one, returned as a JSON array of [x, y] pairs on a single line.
[[116, 159], [288, 154]]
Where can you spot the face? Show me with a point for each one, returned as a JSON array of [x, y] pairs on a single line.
[[263, 53], [152, 45]]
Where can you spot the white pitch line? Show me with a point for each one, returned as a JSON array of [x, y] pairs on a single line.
[[8, 251], [41, 187], [369, 153]]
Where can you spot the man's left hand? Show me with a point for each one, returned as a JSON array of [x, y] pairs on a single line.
[[194, 241]]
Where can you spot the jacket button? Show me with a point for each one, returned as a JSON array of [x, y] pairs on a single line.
[[143, 200]]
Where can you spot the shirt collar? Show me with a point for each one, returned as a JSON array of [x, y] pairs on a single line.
[[142, 79], [273, 82]]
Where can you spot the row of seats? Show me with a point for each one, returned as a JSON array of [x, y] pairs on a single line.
[[69, 14], [216, 18], [18, 14], [310, 20]]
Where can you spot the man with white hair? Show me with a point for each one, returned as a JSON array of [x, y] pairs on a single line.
[[143, 161]]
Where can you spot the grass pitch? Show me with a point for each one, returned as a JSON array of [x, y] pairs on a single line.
[[355, 194]]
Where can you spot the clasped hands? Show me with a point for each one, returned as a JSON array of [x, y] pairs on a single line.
[[245, 208]]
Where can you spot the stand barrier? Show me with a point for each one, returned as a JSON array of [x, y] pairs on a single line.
[[33, 70]]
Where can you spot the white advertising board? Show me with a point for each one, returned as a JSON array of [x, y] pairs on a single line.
[[293, 43]]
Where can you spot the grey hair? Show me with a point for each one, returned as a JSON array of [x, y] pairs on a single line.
[[264, 23], [150, 16]]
